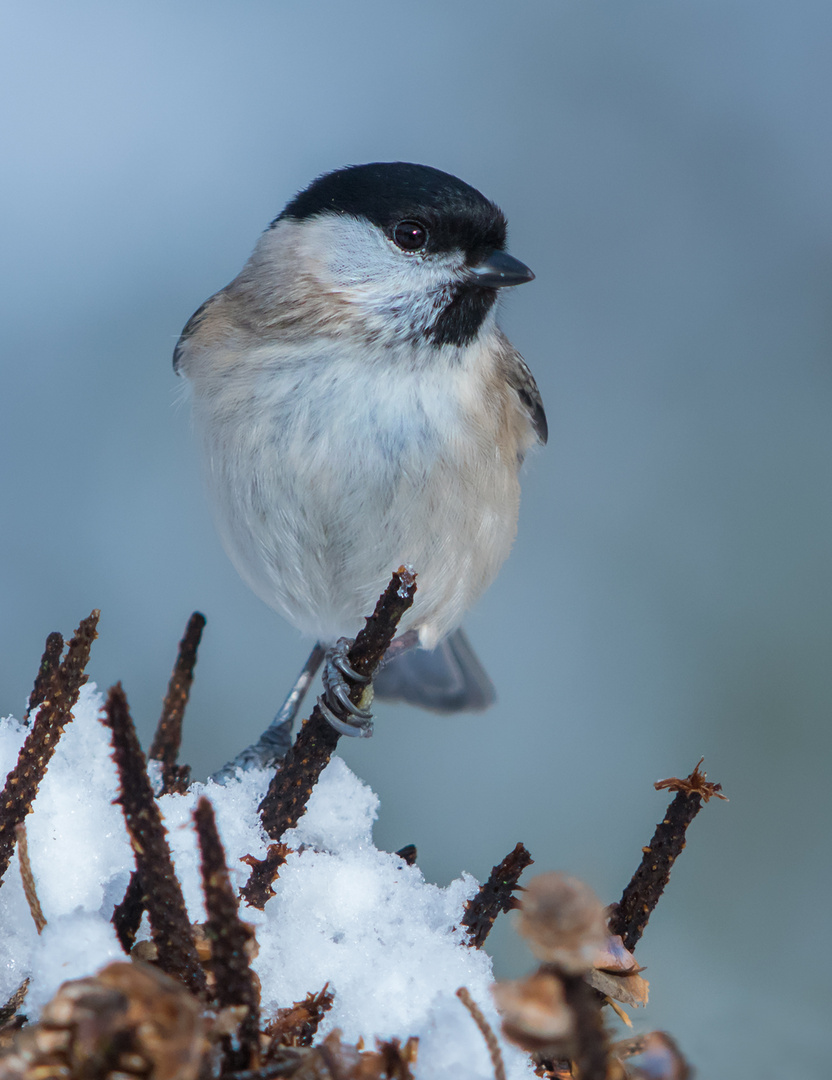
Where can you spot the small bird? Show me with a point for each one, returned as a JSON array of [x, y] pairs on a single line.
[[359, 409]]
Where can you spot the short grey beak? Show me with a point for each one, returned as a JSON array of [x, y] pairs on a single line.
[[499, 269]]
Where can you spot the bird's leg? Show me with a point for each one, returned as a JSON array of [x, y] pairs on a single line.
[[275, 741]]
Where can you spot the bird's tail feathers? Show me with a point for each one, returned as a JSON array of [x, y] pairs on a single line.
[[446, 679]]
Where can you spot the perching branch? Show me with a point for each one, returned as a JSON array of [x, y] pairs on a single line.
[[291, 786]]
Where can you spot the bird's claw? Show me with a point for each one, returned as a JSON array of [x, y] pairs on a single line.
[[339, 710]]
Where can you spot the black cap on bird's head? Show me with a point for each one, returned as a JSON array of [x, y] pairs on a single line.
[[388, 193]]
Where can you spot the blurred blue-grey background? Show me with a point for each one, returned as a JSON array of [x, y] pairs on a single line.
[[667, 171]]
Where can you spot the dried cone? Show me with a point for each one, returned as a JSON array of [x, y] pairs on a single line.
[[615, 973], [129, 1020], [535, 1014]]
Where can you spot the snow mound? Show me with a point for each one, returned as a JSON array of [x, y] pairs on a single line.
[[389, 944]]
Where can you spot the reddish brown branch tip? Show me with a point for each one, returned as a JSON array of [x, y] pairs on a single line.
[[695, 784], [169, 923], [231, 941], [166, 741], [291, 786], [48, 663], [58, 692], [630, 916], [495, 895]]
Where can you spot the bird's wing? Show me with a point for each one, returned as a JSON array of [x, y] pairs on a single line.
[[191, 326], [521, 380]]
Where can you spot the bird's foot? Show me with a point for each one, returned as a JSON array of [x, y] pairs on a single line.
[[339, 678]]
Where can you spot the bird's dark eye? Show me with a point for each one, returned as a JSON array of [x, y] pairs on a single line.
[[410, 235]]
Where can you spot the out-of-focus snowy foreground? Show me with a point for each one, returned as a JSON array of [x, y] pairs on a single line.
[[389, 944]]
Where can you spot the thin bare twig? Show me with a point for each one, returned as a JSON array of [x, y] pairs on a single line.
[[28, 878], [10, 1009], [491, 1040]]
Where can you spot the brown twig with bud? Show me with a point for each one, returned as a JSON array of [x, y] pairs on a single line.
[[495, 895], [170, 927], [168, 736], [57, 686], [48, 663], [235, 984], [632, 913], [127, 915]]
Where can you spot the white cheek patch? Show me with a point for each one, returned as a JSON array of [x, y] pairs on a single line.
[[353, 256]]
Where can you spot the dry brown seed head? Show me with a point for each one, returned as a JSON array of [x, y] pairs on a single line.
[[563, 921], [535, 1014]]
